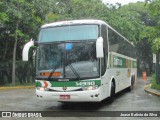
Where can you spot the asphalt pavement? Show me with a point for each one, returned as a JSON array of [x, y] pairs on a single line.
[[20, 99]]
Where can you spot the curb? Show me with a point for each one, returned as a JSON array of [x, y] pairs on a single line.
[[17, 87], [148, 89]]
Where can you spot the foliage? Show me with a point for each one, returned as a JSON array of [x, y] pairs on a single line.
[[19, 21], [154, 84], [79, 9], [152, 32], [131, 20], [127, 20]]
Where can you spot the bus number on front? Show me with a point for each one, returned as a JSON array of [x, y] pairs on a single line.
[[85, 83]]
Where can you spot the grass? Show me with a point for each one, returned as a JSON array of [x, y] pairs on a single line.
[[154, 84]]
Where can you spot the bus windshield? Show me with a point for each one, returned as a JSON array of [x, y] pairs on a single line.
[[65, 33], [68, 50], [72, 60]]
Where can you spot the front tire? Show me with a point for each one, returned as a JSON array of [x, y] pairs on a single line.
[[112, 93]]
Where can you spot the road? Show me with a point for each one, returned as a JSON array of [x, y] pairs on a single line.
[[136, 100]]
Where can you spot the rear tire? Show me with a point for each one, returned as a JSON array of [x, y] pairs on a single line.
[[132, 84]]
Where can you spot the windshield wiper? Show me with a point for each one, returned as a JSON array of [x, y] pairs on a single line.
[[50, 75], [74, 71]]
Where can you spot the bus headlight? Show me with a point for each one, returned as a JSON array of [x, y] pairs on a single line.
[[42, 89], [90, 87]]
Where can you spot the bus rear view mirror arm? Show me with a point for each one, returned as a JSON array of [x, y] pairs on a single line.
[[26, 48], [99, 48], [35, 43]]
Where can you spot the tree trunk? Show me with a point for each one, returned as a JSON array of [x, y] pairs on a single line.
[[14, 55], [5, 52]]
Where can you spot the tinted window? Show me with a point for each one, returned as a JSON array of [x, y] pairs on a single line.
[[120, 45], [64, 33], [105, 45]]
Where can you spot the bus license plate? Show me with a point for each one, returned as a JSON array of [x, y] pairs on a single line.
[[64, 96]]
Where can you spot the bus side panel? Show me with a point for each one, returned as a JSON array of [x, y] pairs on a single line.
[[106, 79], [121, 69]]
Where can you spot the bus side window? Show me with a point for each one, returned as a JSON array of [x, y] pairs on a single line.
[[113, 41], [119, 45], [105, 45]]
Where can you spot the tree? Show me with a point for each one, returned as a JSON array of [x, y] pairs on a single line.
[[153, 32], [78, 9], [16, 10], [20, 20], [130, 20]]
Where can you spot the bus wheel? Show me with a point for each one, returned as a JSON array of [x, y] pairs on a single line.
[[112, 94], [132, 84]]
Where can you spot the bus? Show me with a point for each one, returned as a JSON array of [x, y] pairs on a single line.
[[82, 61]]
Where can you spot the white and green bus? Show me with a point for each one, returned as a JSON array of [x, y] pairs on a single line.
[[82, 61]]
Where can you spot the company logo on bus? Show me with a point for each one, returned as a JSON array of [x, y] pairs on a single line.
[[64, 88], [117, 61]]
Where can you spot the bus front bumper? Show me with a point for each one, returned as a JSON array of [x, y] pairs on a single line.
[[74, 96]]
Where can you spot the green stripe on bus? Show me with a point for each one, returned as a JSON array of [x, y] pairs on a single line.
[[71, 83], [120, 62], [38, 84]]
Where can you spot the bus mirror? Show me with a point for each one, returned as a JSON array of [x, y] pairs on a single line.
[[99, 48], [26, 50]]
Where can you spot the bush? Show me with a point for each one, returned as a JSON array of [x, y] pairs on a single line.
[[154, 84]]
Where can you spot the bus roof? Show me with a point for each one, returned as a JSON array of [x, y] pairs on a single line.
[[73, 22]]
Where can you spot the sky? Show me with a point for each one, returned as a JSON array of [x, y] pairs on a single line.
[[123, 2]]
